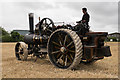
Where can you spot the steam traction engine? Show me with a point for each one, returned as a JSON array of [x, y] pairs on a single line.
[[65, 45]]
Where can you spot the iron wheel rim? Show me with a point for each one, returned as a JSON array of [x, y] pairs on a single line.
[[62, 59], [19, 52]]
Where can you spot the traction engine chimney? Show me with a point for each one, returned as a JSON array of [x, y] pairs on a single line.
[[31, 23]]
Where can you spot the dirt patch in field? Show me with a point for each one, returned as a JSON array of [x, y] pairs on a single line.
[[42, 68]]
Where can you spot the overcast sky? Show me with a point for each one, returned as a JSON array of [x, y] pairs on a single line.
[[103, 15]]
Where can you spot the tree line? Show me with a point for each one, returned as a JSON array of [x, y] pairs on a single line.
[[10, 37]]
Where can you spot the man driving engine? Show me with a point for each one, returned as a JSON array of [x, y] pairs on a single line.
[[84, 23]]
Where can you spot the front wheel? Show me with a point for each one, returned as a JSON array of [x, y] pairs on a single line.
[[65, 49], [21, 51]]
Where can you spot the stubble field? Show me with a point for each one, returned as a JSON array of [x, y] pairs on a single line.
[[42, 68]]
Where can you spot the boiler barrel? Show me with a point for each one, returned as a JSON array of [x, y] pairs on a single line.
[[28, 39], [34, 39]]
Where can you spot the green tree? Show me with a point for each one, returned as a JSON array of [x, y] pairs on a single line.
[[6, 38], [3, 32], [12, 37], [15, 36], [113, 38], [21, 38], [4, 35]]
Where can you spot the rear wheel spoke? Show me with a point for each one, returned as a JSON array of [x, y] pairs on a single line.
[[58, 55], [69, 44], [65, 39], [72, 47], [60, 43], [56, 47], [58, 60], [63, 59], [66, 60], [56, 43], [69, 58], [55, 52], [71, 51], [60, 39]]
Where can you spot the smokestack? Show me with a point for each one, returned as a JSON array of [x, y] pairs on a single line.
[[31, 22]]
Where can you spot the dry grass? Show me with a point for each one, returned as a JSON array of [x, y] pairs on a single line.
[[12, 68]]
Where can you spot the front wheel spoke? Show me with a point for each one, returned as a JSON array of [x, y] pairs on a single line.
[[21, 52], [55, 52], [21, 56], [20, 47], [17, 52], [55, 43], [69, 44]]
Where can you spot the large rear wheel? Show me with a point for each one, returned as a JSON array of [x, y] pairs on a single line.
[[65, 49]]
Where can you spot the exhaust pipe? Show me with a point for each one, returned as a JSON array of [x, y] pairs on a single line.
[[31, 23]]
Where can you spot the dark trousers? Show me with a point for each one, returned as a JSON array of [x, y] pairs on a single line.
[[82, 28]]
